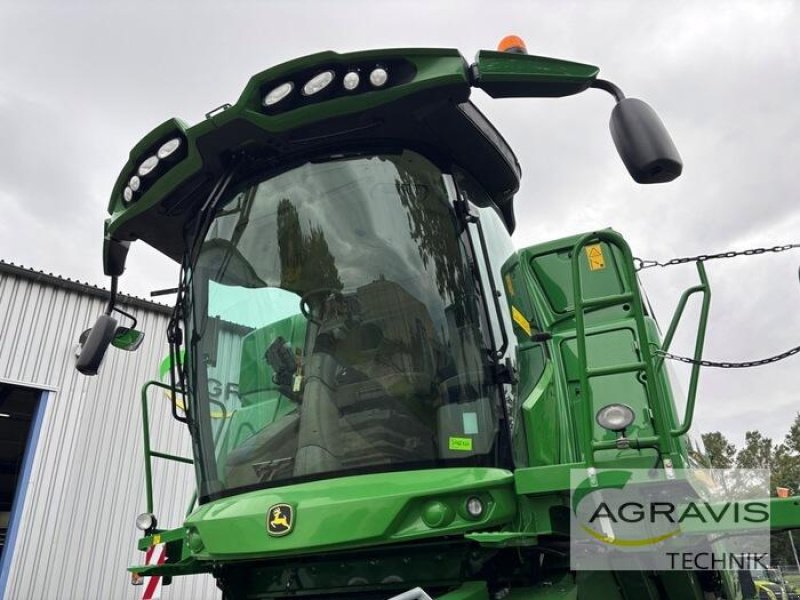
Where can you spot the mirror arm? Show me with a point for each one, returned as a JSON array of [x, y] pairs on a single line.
[[112, 300], [130, 316], [611, 88]]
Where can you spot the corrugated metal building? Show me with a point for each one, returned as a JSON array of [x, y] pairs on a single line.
[[73, 446]]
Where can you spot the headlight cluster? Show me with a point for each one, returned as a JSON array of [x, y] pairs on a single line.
[[150, 166], [333, 80]]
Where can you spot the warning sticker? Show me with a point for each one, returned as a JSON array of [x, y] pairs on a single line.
[[509, 285], [461, 444], [594, 254], [520, 320]]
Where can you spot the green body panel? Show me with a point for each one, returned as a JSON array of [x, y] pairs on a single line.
[[504, 75], [613, 341], [352, 512], [435, 68]]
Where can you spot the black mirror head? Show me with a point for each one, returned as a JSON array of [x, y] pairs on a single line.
[[95, 345], [643, 143]]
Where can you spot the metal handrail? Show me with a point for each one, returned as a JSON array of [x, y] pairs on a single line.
[[705, 289], [148, 453], [662, 429]]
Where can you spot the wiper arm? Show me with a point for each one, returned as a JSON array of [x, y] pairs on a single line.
[[238, 230]]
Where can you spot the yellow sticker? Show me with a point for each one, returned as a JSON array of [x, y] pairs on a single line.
[[156, 539], [509, 285], [460, 444], [594, 254], [520, 320]]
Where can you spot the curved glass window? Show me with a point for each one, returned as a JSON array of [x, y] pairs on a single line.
[[335, 327]]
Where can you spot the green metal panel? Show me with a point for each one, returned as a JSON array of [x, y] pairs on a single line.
[[435, 68], [352, 512], [505, 75]]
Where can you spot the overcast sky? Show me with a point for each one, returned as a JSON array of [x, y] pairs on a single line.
[[81, 83]]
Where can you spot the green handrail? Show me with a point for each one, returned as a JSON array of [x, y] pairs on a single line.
[[580, 304], [705, 289], [148, 453]]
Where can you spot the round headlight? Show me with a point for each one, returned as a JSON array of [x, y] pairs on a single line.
[[135, 183], [378, 77], [278, 94], [147, 166], [615, 417], [168, 148], [127, 194], [474, 507], [146, 521], [318, 83], [351, 81]]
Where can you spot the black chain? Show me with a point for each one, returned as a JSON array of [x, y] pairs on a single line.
[[730, 365], [646, 264], [641, 263]]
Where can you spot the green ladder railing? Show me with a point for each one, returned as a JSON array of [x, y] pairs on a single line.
[[149, 453], [648, 364]]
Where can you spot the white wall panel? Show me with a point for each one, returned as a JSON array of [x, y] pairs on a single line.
[[77, 534]]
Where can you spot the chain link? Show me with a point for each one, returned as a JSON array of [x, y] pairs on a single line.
[[730, 365], [641, 263]]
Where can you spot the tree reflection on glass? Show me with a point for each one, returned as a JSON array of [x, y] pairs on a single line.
[[306, 260]]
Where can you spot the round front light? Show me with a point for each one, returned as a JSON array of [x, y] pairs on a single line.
[[474, 507], [615, 417], [127, 194], [278, 94], [169, 148], [146, 521], [351, 81], [135, 183], [318, 83], [147, 166], [378, 77]]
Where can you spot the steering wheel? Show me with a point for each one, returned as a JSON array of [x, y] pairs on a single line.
[[323, 294]]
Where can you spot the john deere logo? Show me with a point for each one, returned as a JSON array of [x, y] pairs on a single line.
[[280, 519]]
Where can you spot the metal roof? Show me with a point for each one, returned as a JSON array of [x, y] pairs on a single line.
[[81, 287]]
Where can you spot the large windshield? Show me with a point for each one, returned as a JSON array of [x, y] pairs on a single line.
[[335, 327]]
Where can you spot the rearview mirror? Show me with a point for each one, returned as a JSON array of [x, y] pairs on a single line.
[[643, 142], [95, 344], [127, 339]]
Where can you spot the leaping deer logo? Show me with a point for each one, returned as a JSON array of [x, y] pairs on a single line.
[[279, 519]]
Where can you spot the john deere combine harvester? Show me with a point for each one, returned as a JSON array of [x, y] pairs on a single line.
[[409, 392]]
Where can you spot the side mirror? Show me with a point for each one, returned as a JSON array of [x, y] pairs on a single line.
[[127, 339], [643, 142], [97, 341]]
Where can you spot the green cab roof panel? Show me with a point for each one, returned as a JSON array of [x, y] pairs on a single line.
[[423, 105]]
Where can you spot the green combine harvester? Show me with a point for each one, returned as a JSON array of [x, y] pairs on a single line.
[[405, 393]]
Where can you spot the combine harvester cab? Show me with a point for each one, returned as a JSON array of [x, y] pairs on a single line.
[[414, 393]]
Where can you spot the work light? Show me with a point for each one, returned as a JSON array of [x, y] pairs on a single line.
[[378, 77], [146, 521], [169, 148], [278, 93], [351, 81], [317, 83], [147, 166], [474, 507], [615, 417]]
